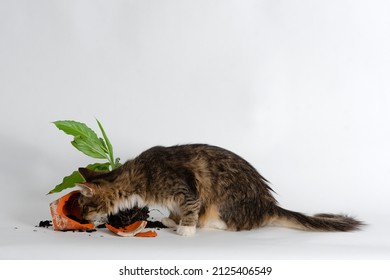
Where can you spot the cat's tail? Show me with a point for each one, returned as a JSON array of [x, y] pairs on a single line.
[[319, 222]]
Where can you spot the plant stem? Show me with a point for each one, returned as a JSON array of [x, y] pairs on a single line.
[[112, 161]]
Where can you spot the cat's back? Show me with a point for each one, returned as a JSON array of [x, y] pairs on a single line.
[[186, 153], [197, 157]]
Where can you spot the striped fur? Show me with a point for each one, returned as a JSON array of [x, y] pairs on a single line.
[[201, 185]]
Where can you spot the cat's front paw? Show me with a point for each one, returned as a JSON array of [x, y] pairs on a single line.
[[186, 230]]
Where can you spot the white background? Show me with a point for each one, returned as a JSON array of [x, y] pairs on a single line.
[[301, 89]]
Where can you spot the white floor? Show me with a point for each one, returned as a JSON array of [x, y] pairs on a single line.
[[22, 240]]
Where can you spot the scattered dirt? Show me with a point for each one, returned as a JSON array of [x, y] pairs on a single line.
[[155, 224], [129, 216], [45, 224]]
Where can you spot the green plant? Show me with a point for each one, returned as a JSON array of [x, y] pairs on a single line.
[[87, 141]]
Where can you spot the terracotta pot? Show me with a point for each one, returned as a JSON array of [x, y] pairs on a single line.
[[66, 213]]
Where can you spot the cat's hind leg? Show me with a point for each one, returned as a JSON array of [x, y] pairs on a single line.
[[210, 218]]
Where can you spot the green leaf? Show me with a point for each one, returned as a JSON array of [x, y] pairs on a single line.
[[85, 139], [77, 129], [89, 148], [68, 182], [107, 141], [104, 146]]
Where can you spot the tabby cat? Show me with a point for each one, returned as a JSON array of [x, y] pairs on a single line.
[[200, 185]]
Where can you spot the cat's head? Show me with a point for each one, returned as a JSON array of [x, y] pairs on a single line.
[[96, 196]]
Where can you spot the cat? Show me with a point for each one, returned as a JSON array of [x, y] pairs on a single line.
[[201, 186]]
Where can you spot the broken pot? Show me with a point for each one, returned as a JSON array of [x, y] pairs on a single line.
[[66, 213]]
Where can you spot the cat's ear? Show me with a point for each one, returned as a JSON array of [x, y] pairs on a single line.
[[88, 174], [87, 189]]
